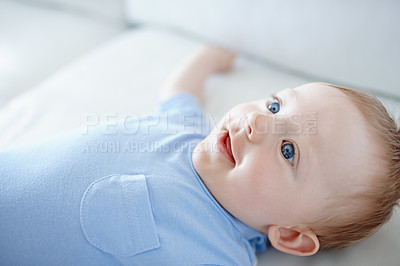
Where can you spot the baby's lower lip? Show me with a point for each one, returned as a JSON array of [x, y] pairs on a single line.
[[222, 147]]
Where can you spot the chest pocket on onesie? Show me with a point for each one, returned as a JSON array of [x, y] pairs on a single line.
[[116, 215]]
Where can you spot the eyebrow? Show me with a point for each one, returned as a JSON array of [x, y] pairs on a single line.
[[293, 93], [305, 148], [276, 98]]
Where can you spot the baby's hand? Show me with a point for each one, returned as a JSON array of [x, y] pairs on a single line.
[[215, 58]]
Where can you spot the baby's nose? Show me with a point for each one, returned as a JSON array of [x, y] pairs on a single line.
[[257, 125]]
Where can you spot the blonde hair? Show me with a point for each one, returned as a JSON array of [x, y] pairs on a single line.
[[374, 207]]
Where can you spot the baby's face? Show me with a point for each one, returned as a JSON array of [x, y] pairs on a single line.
[[281, 161]]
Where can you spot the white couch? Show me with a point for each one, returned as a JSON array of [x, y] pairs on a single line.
[[281, 44]]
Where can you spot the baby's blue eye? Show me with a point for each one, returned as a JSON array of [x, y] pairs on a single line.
[[287, 149], [274, 107]]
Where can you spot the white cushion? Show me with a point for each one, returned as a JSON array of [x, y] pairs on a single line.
[[354, 43]]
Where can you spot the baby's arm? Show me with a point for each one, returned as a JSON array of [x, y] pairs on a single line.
[[191, 74]]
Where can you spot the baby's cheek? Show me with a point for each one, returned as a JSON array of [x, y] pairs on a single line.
[[260, 188]]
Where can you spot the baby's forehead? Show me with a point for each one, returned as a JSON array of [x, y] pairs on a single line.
[[318, 94], [341, 165], [341, 144]]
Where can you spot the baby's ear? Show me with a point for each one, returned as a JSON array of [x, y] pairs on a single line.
[[300, 242]]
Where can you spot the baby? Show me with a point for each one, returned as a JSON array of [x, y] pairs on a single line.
[[162, 190], [305, 190]]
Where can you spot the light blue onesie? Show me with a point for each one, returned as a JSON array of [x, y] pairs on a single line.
[[121, 194]]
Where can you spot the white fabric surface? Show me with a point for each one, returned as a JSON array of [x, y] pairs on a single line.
[[123, 78], [36, 40], [353, 42]]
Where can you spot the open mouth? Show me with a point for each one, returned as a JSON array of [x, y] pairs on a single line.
[[226, 146]]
